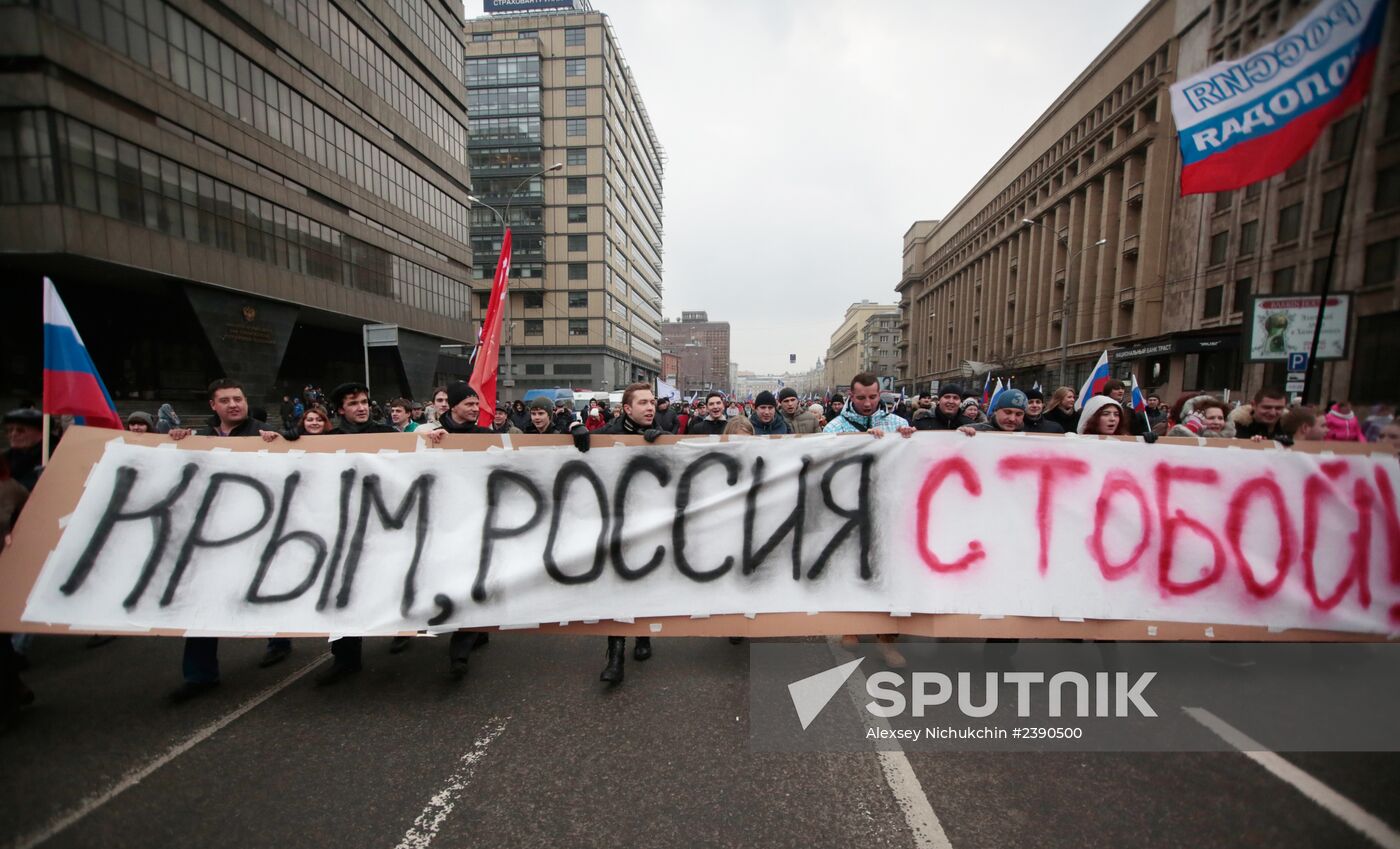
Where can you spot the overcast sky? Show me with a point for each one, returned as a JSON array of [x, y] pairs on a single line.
[[805, 136]]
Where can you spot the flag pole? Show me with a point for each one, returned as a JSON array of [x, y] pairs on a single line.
[[1313, 368], [45, 457]]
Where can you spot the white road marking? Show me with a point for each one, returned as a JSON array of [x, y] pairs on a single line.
[[1330, 800], [899, 774], [136, 776], [420, 835]]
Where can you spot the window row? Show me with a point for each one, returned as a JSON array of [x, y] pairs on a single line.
[[504, 101], [503, 70], [63, 160], [355, 51], [515, 130], [577, 327], [443, 40], [161, 38]]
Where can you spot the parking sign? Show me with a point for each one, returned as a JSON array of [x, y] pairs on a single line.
[[1297, 360]]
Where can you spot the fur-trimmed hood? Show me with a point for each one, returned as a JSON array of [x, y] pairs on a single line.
[[1242, 416]]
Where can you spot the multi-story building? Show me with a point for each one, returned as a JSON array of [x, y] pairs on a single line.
[[1078, 240], [879, 353], [846, 354], [586, 280], [234, 188], [702, 347]]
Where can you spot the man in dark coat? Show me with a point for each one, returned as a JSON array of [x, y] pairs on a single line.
[[946, 414], [765, 418], [24, 428], [1035, 414], [666, 417], [230, 419], [714, 420]]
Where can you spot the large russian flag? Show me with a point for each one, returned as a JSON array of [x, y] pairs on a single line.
[[1242, 120], [1093, 384], [71, 384]]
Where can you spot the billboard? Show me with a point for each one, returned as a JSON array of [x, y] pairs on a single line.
[[525, 5], [1278, 324]]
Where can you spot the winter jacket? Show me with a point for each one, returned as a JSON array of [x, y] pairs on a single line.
[[1041, 425], [549, 430], [777, 427], [248, 427], [705, 426], [1343, 427], [1242, 417], [349, 428], [666, 421], [451, 425], [990, 427], [1068, 421], [1192, 424], [166, 420], [851, 422], [624, 425], [803, 422], [25, 464], [935, 419]]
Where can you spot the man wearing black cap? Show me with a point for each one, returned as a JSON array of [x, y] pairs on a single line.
[[765, 418], [541, 418], [1035, 414], [946, 415], [666, 417], [350, 401], [463, 409], [798, 420], [24, 428]]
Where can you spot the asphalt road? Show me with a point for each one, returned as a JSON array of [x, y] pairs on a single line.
[[531, 750]]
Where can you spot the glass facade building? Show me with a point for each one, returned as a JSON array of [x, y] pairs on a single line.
[[234, 189], [585, 303]]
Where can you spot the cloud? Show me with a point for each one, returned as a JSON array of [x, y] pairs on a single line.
[[805, 136]]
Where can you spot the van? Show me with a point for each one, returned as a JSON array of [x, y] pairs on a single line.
[[582, 398], [555, 396]]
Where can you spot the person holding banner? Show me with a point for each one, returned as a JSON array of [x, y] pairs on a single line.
[[638, 419], [1036, 420], [200, 665], [1008, 414], [946, 414]]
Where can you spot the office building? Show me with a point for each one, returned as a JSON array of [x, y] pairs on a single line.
[[848, 354], [702, 348]]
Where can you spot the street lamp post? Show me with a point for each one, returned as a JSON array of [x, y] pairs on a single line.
[[1064, 304], [505, 225]]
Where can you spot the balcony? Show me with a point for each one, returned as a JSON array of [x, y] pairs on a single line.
[[1057, 316], [1126, 296], [1134, 194], [1130, 245]]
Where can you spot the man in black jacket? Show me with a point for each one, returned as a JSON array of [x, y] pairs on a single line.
[[946, 414], [638, 419], [666, 417], [1035, 414], [541, 418], [714, 421], [231, 419]]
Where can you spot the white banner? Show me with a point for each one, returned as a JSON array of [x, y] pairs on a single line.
[[351, 543]]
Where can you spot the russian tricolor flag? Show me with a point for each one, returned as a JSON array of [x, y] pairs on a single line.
[[1242, 120], [1094, 385], [1138, 399], [71, 384]]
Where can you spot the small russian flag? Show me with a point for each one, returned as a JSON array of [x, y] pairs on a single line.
[[1094, 385], [997, 390], [72, 386], [1139, 400]]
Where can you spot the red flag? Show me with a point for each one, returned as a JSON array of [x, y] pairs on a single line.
[[488, 348]]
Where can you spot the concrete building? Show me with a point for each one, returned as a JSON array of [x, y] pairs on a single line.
[[846, 354], [234, 188], [586, 283], [879, 352], [1114, 259], [702, 347]]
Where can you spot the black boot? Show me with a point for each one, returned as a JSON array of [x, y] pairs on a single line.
[[617, 650], [642, 650]]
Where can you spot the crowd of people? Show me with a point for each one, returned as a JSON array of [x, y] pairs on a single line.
[[348, 410]]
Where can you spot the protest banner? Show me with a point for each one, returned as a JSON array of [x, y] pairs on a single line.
[[378, 535]]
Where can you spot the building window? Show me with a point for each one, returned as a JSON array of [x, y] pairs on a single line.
[[1331, 211], [574, 36], [578, 327], [577, 156], [575, 97], [483, 300], [1249, 237], [481, 36], [578, 271], [578, 215], [1215, 296], [1242, 293], [1252, 190], [1290, 222], [1380, 263], [575, 126], [534, 300], [1219, 247], [1343, 138], [534, 327], [1388, 188], [573, 368], [575, 67], [578, 299], [578, 185], [1223, 200], [529, 33], [578, 243], [1283, 281], [1320, 270], [1297, 170], [534, 368]]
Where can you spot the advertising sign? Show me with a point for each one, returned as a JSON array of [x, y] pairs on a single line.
[[525, 5], [1280, 324]]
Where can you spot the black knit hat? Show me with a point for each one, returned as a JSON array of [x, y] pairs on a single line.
[[459, 392], [950, 389], [765, 399], [1035, 395], [787, 392]]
